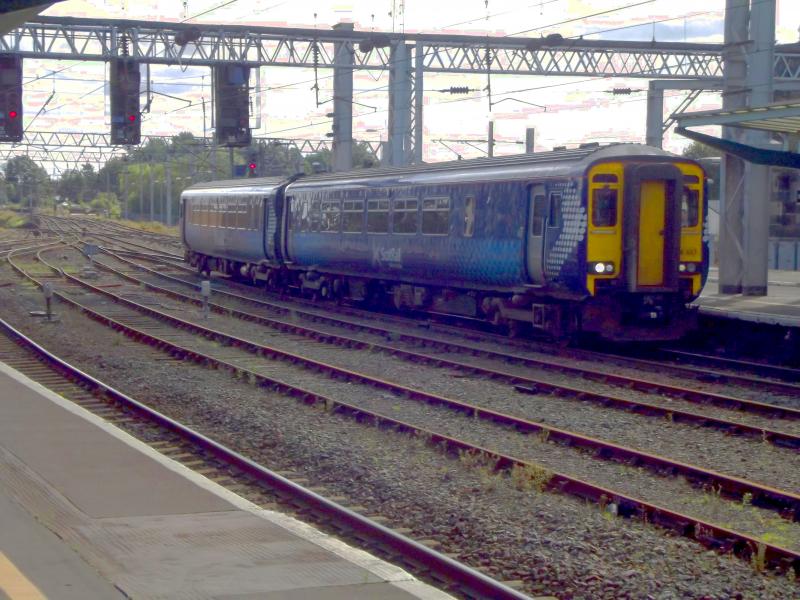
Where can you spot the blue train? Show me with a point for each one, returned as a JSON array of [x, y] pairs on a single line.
[[608, 240]]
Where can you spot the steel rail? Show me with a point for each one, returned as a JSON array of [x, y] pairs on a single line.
[[710, 535], [517, 380], [787, 373], [785, 502], [678, 392], [472, 583]]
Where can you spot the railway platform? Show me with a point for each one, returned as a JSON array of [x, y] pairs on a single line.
[[87, 511], [781, 305]]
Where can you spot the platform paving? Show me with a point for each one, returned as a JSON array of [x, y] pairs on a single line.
[[95, 513], [780, 306]]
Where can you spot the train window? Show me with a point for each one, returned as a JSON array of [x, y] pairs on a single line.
[[299, 208], [690, 207], [406, 215], [315, 216], [435, 216], [554, 219], [331, 210], [537, 222], [378, 216], [469, 216], [604, 207], [353, 216], [604, 178], [206, 219]]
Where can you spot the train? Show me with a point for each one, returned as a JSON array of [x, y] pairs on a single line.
[[607, 241]]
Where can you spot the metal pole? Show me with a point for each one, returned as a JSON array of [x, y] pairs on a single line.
[[343, 102], [731, 204], [152, 192], [230, 160], [169, 192], [491, 139], [530, 135], [419, 93], [399, 104], [125, 194], [141, 189], [655, 116], [757, 192]]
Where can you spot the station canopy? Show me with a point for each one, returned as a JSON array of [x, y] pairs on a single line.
[[783, 118], [14, 13]]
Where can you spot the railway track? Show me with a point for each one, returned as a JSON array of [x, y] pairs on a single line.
[[707, 532], [675, 362], [519, 376], [238, 473]]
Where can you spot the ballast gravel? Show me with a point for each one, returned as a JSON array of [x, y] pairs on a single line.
[[555, 544]]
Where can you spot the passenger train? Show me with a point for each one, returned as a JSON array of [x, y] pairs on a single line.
[[605, 240]]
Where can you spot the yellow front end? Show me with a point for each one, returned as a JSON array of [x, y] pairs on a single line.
[[605, 210]]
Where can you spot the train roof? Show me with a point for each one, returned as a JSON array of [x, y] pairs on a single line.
[[520, 166], [555, 163], [258, 185]]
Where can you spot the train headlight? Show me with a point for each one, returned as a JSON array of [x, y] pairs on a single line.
[[688, 267], [601, 268]]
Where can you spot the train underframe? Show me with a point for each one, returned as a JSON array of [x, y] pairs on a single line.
[[614, 316]]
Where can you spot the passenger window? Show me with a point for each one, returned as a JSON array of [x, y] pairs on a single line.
[[435, 216], [555, 211], [331, 210], [604, 208], [378, 216], [405, 215], [469, 216], [690, 207], [537, 221], [353, 216], [314, 216], [299, 208]]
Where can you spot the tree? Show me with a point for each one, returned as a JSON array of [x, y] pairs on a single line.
[[107, 205], [699, 150], [30, 183]]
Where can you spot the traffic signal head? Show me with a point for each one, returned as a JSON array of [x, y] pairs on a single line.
[[252, 166], [10, 98], [125, 114]]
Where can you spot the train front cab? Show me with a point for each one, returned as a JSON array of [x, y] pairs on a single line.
[[645, 256]]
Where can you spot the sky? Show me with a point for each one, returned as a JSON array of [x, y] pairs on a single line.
[[577, 109]]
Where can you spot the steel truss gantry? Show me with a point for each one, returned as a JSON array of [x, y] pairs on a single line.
[[94, 39], [76, 148], [68, 38]]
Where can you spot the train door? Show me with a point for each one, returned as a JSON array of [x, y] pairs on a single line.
[[652, 213], [536, 232], [653, 221]]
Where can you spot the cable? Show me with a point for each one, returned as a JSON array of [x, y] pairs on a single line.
[[604, 12]]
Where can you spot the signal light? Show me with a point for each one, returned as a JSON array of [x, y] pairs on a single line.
[[125, 80], [252, 166], [10, 98]]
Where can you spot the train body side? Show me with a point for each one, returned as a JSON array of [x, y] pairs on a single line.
[[235, 224], [460, 235]]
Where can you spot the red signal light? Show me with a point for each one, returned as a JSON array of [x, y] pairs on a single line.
[[252, 166], [12, 114], [132, 118]]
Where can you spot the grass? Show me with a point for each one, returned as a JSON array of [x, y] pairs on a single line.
[[11, 220], [530, 477], [148, 226]]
